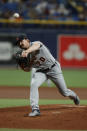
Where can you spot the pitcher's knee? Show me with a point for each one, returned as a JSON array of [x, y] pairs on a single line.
[[65, 93], [34, 85]]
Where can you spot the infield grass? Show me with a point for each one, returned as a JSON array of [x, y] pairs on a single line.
[[25, 102], [14, 77]]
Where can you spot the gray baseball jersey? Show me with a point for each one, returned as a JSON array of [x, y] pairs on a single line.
[[42, 59]]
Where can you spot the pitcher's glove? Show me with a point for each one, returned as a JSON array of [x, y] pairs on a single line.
[[23, 62]]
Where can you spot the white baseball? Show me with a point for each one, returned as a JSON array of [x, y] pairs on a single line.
[[16, 15]]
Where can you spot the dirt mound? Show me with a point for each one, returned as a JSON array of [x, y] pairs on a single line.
[[52, 117]]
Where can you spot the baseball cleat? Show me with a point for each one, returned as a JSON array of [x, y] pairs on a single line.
[[77, 100], [34, 113]]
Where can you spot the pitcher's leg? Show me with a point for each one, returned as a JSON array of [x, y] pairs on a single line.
[[60, 83], [37, 79], [57, 77]]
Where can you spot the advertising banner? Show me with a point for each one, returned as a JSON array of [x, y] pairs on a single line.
[[73, 51], [5, 51], [7, 47]]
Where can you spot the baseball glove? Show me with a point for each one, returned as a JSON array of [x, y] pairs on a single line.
[[23, 62]]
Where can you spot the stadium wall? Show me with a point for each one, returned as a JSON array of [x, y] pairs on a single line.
[[50, 37]]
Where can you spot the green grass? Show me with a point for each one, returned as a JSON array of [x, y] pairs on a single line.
[[25, 102], [75, 78], [14, 77]]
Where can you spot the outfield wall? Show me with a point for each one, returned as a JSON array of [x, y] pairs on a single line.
[[50, 37]]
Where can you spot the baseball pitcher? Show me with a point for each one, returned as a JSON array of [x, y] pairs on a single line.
[[46, 67]]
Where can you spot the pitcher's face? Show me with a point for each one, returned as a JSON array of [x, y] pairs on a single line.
[[24, 44]]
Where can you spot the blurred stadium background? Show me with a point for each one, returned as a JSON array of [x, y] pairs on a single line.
[[60, 24]]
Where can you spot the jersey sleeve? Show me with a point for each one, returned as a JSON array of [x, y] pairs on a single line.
[[38, 43]]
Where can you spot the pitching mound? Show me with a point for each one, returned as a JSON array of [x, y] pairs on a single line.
[[52, 117]]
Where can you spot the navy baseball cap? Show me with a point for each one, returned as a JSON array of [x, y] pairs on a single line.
[[20, 38]]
